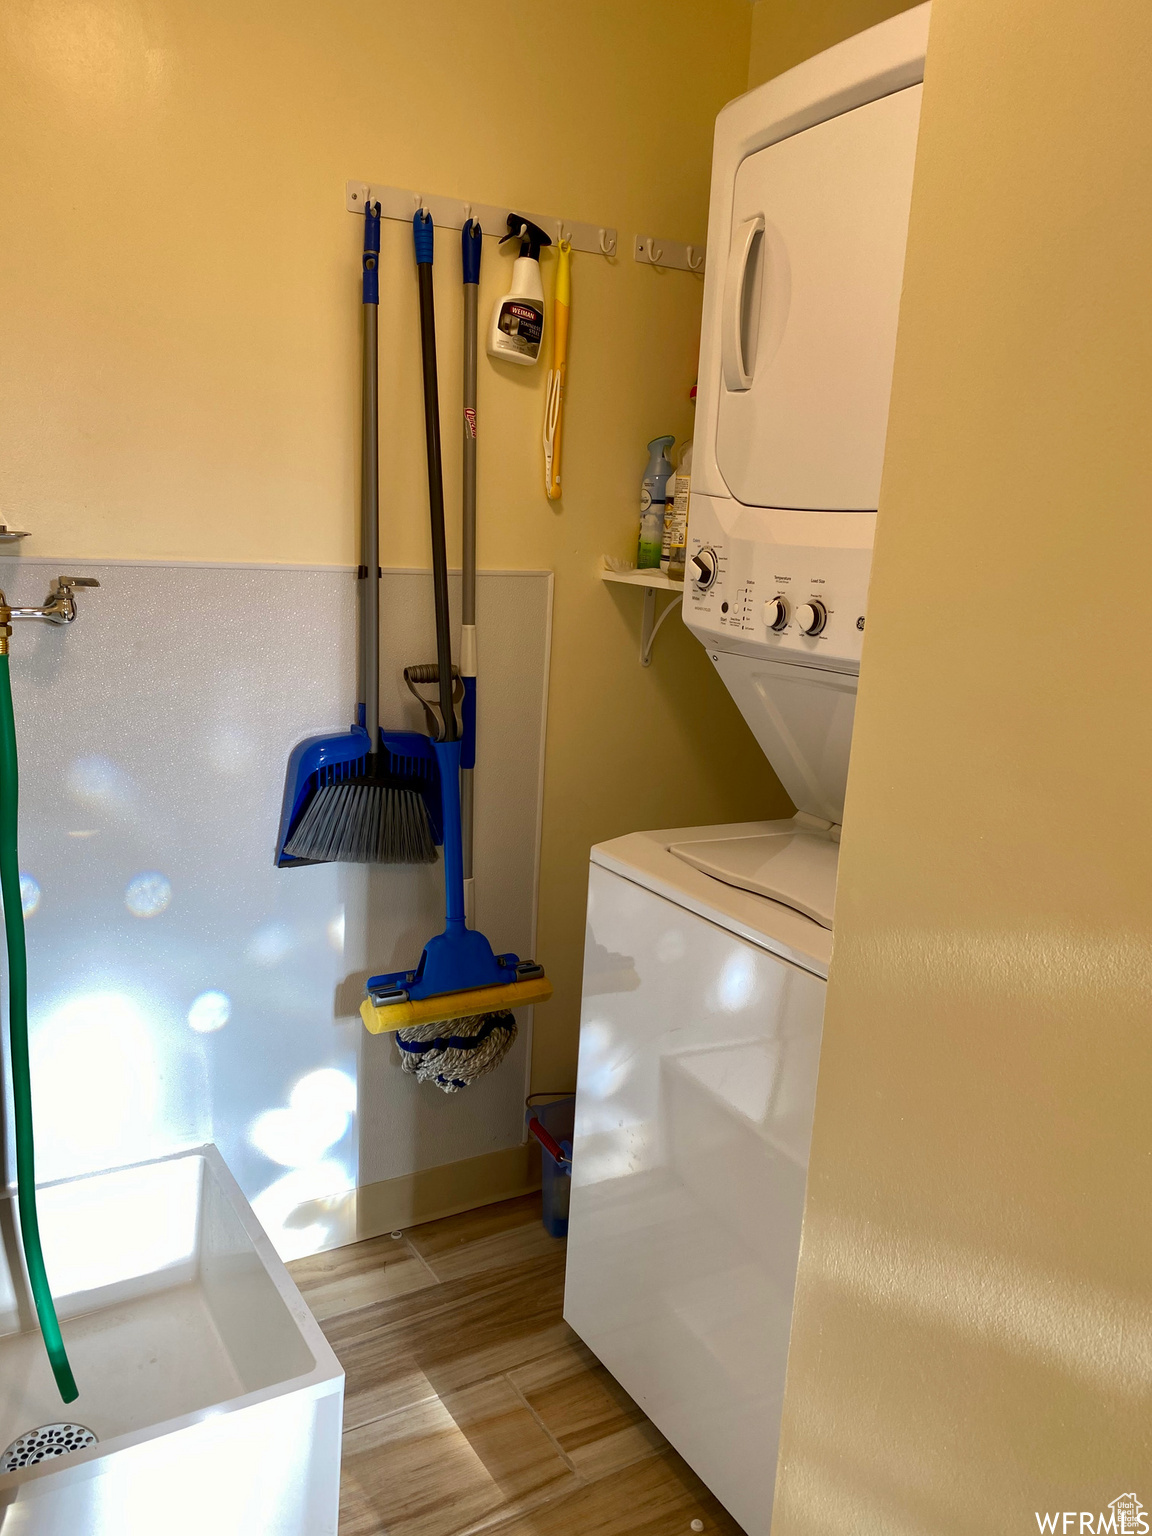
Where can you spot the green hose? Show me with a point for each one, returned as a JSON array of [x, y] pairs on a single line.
[[18, 1037]]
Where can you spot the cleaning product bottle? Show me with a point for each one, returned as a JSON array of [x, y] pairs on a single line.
[[669, 501], [517, 327], [676, 519], [653, 491]]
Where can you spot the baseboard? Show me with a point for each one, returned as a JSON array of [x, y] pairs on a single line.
[[394, 1204]]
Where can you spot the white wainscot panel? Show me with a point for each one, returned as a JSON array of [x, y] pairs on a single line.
[[183, 989]]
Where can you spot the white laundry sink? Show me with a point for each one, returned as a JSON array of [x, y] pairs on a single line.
[[216, 1402]]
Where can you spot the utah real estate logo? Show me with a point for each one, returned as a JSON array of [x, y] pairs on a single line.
[[1125, 1517]]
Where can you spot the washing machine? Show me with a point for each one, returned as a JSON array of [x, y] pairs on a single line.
[[707, 948]]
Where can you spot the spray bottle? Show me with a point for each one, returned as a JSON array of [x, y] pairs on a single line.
[[517, 327]]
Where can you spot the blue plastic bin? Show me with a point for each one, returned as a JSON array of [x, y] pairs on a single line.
[[552, 1125]]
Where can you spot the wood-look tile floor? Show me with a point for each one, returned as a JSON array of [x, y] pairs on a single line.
[[471, 1405]]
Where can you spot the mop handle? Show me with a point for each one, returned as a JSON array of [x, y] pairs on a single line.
[[370, 482], [424, 235], [471, 243]]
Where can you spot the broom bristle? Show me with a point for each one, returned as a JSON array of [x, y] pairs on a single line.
[[363, 823]]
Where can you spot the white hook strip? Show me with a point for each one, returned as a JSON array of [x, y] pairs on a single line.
[[454, 213], [653, 251]]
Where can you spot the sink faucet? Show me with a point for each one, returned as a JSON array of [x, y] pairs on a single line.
[[59, 607]]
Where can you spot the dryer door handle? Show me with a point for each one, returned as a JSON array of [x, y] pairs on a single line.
[[733, 355]]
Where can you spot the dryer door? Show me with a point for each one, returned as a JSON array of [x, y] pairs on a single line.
[[811, 296]]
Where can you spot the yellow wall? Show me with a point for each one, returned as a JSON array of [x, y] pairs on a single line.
[[786, 32], [179, 329], [972, 1339]]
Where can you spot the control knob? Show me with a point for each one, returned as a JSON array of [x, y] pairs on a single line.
[[812, 617], [704, 568], [776, 613]]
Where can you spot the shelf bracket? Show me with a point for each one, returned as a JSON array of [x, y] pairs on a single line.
[[650, 624]]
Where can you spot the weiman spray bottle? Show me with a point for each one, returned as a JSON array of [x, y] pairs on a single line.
[[517, 327]]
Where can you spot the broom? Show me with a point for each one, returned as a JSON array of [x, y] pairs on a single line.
[[360, 797]]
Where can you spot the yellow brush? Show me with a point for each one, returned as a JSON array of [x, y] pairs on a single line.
[[554, 398]]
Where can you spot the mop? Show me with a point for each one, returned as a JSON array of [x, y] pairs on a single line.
[[452, 1013], [363, 796]]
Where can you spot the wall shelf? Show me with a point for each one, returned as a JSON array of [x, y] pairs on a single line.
[[651, 582]]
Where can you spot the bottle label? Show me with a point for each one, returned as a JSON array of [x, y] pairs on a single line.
[[677, 519], [666, 544], [676, 530], [522, 325], [651, 535]]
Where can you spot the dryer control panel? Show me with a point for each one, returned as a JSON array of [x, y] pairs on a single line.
[[786, 584]]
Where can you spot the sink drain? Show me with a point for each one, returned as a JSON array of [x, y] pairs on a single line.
[[42, 1443]]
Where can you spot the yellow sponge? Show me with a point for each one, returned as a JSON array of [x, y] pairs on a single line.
[[453, 1005]]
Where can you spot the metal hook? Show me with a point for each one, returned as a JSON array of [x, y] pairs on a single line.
[[609, 249], [418, 199], [467, 213], [693, 266], [653, 254]]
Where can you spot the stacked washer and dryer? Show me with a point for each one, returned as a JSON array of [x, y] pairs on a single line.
[[708, 947]]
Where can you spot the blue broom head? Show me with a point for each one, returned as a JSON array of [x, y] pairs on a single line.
[[360, 822]]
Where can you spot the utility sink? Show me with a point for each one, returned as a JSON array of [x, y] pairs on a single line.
[[215, 1400]]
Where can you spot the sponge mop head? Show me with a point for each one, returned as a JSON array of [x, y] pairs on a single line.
[[382, 1019]]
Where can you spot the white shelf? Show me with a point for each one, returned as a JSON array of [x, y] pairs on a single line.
[[650, 582], [655, 579]]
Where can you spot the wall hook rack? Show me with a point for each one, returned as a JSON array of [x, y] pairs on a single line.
[[653, 251], [454, 213]]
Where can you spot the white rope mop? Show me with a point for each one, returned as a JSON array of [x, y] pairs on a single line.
[[455, 1053]]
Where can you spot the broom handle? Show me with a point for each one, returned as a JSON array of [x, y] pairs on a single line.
[[470, 246], [370, 482], [471, 240], [423, 229]]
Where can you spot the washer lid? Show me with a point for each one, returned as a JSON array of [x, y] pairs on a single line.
[[793, 866], [643, 858]]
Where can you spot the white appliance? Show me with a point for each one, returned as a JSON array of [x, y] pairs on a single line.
[[811, 186], [699, 1042], [707, 948]]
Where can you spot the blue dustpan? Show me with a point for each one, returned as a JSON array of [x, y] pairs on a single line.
[[320, 760]]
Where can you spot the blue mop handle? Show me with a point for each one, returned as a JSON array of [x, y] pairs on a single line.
[[372, 254], [470, 247], [424, 233], [448, 760], [468, 714]]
